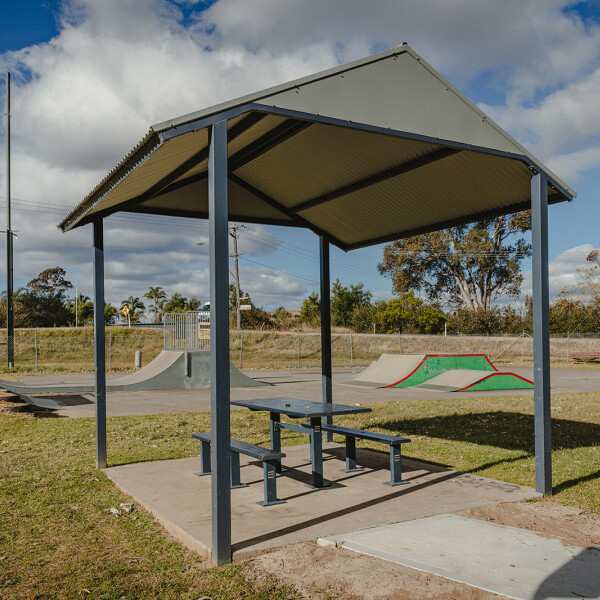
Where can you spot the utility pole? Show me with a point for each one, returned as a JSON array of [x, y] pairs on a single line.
[[234, 234], [10, 330], [76, 309]]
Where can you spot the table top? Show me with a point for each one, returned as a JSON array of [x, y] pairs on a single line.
[[294, 407]]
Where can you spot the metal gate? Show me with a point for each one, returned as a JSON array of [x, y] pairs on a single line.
[[182, 331]]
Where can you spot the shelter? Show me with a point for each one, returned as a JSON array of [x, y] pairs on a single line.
[[364, 153]]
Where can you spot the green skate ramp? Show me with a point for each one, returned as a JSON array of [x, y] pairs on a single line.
[[433, 365], [465, 380]]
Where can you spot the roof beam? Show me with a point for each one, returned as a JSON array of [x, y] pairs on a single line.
[[377, 178], [283, 132], [268, 141], [300, 221], [237, 130], [192, 214]]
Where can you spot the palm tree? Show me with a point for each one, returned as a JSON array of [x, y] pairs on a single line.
[[136, 308], [158, 296]]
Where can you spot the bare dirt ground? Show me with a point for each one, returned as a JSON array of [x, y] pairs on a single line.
[[319, 572]]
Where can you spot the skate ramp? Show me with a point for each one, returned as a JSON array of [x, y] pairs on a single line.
[[389, 368], [406, 370], [463, 380], [170, 370], [441, 372]]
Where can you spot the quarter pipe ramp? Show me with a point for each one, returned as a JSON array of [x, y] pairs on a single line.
[[170, 370]]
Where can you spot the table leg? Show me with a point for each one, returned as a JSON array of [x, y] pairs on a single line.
[[276, 438], [316, 453]]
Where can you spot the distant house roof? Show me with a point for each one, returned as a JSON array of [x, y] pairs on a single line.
[[370, 151]]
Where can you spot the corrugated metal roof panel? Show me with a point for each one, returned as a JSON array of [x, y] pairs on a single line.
[[165, 159], [437, 191], [266, 124], [324, 158]]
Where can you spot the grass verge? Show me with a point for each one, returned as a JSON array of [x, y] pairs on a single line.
[[58, 540]]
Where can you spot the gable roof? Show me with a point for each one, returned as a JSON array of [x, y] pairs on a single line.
[[373, 150]]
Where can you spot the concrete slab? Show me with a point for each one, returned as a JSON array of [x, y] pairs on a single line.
[[181, 501], [505, 560]]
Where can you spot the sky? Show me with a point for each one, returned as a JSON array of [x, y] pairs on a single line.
[[89, 77]]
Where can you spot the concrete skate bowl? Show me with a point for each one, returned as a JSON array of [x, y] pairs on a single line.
[[442, 372], [170, 370]]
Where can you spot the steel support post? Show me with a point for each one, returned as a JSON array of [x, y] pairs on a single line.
[[541, 336], [219, 344], [326, 329], [99, 349]]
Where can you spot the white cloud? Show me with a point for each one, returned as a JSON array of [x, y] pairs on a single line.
[[562, 271]]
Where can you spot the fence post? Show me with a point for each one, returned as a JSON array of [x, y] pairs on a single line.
[[399, 342], [568, 338], [351, 354], [36, 350], [241, 347], [109, 349], [488, 341], [298, 347], [523, 346], [446, 333]]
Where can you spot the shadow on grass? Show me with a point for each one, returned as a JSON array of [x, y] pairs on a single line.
[[509, 430], [565, 485]]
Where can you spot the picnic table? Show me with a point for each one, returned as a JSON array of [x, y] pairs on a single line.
[[301, 409]]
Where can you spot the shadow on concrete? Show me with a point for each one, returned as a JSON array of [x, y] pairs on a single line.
[[397, 493], [579, 578]]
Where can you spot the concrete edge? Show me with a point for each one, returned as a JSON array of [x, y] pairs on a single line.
[[172, 528]]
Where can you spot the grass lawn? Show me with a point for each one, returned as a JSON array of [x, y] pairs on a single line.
[[58, 540]]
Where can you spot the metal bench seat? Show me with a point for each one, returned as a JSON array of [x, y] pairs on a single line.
[[394, 442], [271, 460]]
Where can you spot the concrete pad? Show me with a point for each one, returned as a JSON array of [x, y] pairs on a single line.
[[181, 501], [505, 560]]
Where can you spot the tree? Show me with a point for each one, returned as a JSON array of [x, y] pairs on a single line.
[[158, 297], [110, 314], [43, 303], [178, 303], [409, 314], [470, 266], [50, 283], [310, 311], [136, 309], [85, 310], [344, 300]]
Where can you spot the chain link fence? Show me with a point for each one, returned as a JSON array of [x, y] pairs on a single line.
[[72, 350]]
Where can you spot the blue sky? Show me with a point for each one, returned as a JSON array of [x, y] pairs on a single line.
[[90, 77]]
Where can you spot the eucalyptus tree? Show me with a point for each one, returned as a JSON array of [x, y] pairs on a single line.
[[469, 265]]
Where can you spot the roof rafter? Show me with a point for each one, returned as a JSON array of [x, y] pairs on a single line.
[[300, 221]]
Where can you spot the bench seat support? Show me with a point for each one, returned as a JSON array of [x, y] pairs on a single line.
[[395, 444], [270, 465]]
